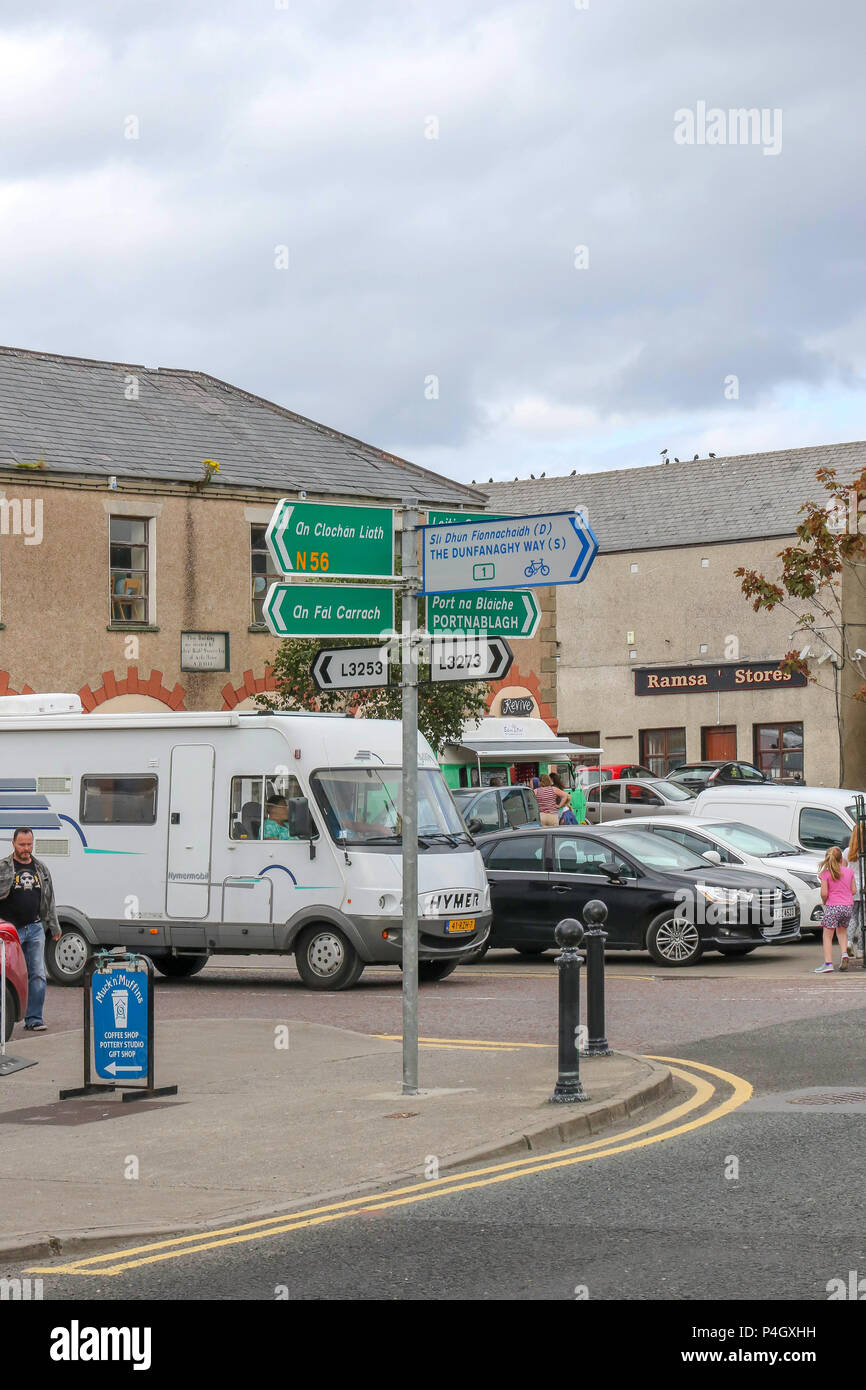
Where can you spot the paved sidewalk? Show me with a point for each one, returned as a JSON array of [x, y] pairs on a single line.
[[256, 1128]]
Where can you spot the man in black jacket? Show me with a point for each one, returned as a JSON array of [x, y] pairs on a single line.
[[27, 901]]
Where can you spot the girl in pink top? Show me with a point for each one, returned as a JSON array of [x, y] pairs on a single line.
[[837, 895]]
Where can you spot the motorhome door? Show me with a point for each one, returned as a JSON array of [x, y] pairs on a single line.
[[187, 887]]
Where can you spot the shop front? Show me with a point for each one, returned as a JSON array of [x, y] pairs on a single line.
[[507, 751]]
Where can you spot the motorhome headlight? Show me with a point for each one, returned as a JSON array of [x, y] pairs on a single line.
[[450, 900]]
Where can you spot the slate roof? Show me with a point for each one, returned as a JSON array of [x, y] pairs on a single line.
[[746, 496], [73, 413]]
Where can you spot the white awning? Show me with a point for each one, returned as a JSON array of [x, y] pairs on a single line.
[[506, 750]]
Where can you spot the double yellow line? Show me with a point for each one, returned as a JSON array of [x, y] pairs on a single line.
[[689, 1115]]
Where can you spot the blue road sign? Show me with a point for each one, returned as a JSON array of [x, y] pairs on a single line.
[[515, 552], [119, 1002]]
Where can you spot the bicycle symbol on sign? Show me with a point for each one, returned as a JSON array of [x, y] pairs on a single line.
[[536, 567]]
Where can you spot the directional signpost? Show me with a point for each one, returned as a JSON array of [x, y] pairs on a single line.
[[496, 612], [334, 542], [509, 553], [328, 610], [470, 659], [118, 1033], [350, 668]]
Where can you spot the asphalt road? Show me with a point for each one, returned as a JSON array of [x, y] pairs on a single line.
[[761, 1203]]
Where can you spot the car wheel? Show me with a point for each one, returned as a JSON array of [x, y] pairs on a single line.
[[530, 950], [736, 950], [66, 959], [11, 1012], [179, 967], [429, 971], [326, 960], [674, 941]]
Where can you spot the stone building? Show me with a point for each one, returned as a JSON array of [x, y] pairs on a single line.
[[659, 658], [131, 570]]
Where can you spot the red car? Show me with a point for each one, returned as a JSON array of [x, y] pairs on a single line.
[[590, 776], [16, 978]]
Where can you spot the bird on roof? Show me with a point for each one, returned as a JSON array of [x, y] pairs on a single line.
[[676, 460], [712, 456], [544, 475], [574, 472], [663, 452], [697, 456], [532, 476]]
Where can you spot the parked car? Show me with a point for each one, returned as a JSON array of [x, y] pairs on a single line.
[[717, 774], [16, 978], [811, 818], [655, 796], [496, 808], [660, 896], [591, 776], [744, 846]]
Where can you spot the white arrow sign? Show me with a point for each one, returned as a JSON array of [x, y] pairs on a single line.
[[470, 659], [113, 1068], [350, 668], [515, 552]]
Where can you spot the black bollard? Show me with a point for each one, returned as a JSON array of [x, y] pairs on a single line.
[[569, 1087], [595, 916]]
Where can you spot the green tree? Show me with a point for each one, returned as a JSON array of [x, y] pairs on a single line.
[[443, 707], [831, 540]]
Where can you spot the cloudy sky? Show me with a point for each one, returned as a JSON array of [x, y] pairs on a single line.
[[373, 212]]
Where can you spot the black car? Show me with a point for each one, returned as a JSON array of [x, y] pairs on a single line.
[[496, 808], [699, 776], [660, 896]]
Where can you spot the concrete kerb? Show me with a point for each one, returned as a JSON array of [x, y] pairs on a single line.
[[588, 1119]]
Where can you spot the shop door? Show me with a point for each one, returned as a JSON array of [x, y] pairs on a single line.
[[720, 743]]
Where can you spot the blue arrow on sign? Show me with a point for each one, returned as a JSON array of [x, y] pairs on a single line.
[[588, 548]]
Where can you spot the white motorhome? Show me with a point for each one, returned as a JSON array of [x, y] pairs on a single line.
[[181, 835], [812, 818]]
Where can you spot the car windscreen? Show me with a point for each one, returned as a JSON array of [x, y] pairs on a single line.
[[672, 792], [752, 841], [655, 851], [363, 806]]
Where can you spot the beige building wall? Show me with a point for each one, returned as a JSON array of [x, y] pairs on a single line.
[[57, 631], [674, 602]]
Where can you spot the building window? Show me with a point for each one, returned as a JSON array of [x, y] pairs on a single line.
[[128, 570], [118, 800], [779, 751], [592, 739], [661, 750], [262, 573]]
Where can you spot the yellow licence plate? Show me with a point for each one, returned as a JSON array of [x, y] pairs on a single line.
[[461, 924]]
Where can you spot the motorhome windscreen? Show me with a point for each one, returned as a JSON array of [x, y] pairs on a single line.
[[363, 806]]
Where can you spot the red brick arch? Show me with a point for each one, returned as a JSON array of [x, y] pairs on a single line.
[[533, 685], [131, 684], [252, 685], [6, 688]]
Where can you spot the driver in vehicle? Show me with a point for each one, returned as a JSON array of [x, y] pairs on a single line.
[[277, 819]]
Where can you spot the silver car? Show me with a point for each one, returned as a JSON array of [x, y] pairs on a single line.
[[637, 796]]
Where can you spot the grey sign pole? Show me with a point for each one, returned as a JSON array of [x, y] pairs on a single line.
[[409, 552]]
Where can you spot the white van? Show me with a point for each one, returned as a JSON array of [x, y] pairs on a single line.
[[181, 835], [812, 818]]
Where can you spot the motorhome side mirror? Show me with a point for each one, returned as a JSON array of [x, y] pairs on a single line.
[[300, 820], [712, 855]]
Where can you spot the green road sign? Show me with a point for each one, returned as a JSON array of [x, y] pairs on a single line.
[[329, 610], [498, 612], [331, 542], [452, 518]]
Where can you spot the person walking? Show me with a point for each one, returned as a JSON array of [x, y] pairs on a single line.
[[837, 895], [851, 856], [578, 803], [550, 800], [27, 901]]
